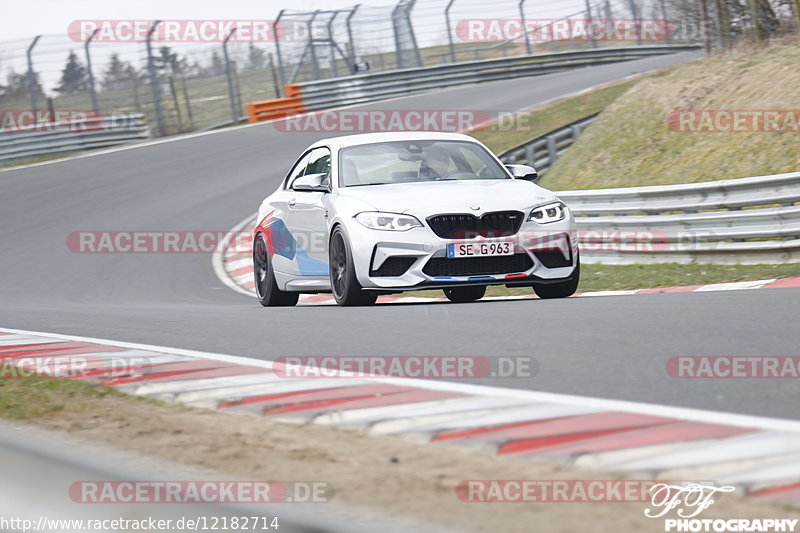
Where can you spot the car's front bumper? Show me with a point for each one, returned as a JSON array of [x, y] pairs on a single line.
[[552, 244]]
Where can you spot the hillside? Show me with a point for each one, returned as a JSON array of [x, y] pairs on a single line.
[[632, 143]]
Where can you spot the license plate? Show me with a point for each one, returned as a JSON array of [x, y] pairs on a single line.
[[479, 249]]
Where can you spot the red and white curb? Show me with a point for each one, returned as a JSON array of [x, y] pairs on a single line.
[[760, 456], [234, 266]]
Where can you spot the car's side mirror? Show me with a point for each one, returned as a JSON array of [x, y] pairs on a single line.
[[523, 172], [311, 182]]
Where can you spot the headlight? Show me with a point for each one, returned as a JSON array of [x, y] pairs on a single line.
[[388, 221], [545, 214]]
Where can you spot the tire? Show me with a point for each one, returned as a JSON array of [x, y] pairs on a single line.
[[465, 294], [346, 289], [269, 295], [560, 290]]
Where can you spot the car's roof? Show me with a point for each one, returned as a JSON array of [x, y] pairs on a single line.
[[369, 138]]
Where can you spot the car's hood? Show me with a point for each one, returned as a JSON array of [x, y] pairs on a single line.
[[463, 196]]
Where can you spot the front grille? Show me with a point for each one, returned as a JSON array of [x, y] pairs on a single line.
[[393, 267], [466, 226], [553, 259], [477, 266]]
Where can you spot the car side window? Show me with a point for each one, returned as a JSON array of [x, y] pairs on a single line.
[[319, 162], [298, 170]]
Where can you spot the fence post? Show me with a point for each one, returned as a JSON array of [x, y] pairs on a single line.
[[281, 78], [591, 31], [154, 82], [637, 23], [522, 23], [332, 44], [312, 46], [408, 10], [353, 59], [32, 87], [397, 47], [229, 76], [450, 31], [92, 91]]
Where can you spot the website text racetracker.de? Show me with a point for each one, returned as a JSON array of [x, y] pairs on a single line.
[[409, 366], [196, 523], [554, 490]]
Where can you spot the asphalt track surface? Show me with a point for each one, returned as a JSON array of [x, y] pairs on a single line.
[[610, 347]]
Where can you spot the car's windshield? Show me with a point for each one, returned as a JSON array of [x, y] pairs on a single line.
[[414, 161]]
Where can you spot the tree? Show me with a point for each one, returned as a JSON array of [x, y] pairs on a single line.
[[118, 75], [17, 87], [74, 78], [217, 66], [166, 58], [256, 57]]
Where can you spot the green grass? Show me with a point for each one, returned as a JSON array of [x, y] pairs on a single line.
[[631, 144], [27, 398], [551, 116], [623, 277]]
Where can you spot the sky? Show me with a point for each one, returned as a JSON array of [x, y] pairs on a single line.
[[25, 18], [21, 20]]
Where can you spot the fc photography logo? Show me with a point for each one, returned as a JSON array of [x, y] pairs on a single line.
[[680, 506]]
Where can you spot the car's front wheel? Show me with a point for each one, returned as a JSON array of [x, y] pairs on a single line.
[[346, 288], [465, 294], [266, 287], [560, 290]]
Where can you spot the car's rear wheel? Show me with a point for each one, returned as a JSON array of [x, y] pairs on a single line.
[[465, 294], [266, 287], [560, 290], [346, 288]]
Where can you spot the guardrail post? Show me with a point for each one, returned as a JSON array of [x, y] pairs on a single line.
[[281, 79], [92, 90], [522, 23], [450, 31], [552, 150], [33, 88], [530, 155], [229, 76], [154, 82]]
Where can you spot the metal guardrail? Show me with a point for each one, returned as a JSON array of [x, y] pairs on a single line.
[[63, 138], [745, 220], [363, 88], [543, 151]]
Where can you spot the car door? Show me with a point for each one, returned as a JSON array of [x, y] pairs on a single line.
[[281, 235], [307, 216]]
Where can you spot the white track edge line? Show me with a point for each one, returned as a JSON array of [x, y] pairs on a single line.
[[685, 413], [217, 258]]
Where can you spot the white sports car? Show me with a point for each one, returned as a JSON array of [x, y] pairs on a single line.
[[364, 215]]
